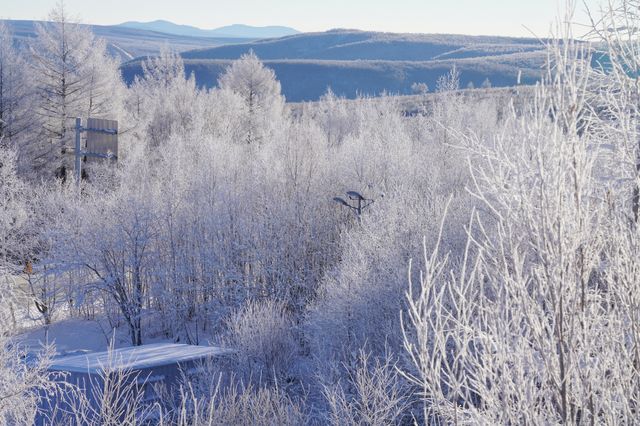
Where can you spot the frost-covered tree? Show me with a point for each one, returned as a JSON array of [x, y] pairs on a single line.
[[105, 88], [617, 59], [74, 77], [449, 82], [260, 91], [165, 69], [14, 214], [15, 92], [14, 218], [163, 100], [25, 213], [420, 88], [334, 117], [119, 258], [21, 385], [535, 322], [108, 243]]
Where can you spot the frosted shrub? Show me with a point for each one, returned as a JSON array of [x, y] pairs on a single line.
[[114, 396], [359, 300], [239, 405], [374, 394], [262, 333], [23, 385]]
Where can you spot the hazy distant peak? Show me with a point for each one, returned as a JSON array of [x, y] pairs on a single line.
[[234, 31]]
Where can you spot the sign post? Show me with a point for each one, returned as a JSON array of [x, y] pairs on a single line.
[[78, 150], [102, 142]]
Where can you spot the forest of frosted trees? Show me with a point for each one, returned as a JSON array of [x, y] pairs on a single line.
[[493, 280]]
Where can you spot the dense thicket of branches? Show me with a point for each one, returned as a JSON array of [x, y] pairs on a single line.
[[521, 304]]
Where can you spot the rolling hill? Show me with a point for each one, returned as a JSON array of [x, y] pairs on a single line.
[[308, 80], [353, 63], [364, 45]]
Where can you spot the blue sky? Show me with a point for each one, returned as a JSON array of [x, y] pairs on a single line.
[[492, 17]]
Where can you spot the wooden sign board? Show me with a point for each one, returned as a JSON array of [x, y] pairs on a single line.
[[102, 137]]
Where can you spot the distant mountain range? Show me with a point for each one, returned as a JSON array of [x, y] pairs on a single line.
[[127, 43], [231, 31], [353, 63]]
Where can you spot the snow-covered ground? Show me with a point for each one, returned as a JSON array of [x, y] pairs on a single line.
[[72, 335]]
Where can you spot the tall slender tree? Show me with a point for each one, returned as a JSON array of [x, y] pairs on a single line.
[[74, 77], [14, 90], [260, 91]]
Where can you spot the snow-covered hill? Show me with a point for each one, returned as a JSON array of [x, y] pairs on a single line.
[[127, 43]]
